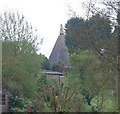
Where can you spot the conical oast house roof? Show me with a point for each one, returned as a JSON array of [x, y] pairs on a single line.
[[60, 51]]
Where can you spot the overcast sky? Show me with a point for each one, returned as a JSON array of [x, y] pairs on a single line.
[[45, 15]]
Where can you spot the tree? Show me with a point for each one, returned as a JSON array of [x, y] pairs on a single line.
[[75, 33], [14, 27], [92, 77], [112, 10], [99, 37], [20, 62], [77, 36], [45, 63], [20, 72], [102, 29]]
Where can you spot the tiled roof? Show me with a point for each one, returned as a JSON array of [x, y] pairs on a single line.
[[60, 51]]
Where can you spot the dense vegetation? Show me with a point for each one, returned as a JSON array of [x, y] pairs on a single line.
[[90, 82], [93, 48], [21, 65]]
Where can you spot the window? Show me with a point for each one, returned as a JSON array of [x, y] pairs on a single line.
[[3, 99]]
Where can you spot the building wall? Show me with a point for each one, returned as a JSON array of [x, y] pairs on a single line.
[[59, 79], [6, 106]]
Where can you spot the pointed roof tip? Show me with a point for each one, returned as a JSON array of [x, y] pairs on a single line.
[[61, 30], [61, 26]]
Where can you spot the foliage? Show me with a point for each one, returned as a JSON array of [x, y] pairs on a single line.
[[58, 99], [19, 70], [92, 76], [101, 104], [75, 33], [45, 63], [20, 62], [58, 66], [102, 29], [90, 83], [18, 104], [14, 27], [84, 34], [93, 71], [110, 10], [42, 81]]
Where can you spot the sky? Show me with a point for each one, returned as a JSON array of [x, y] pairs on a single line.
[[45, 16]]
